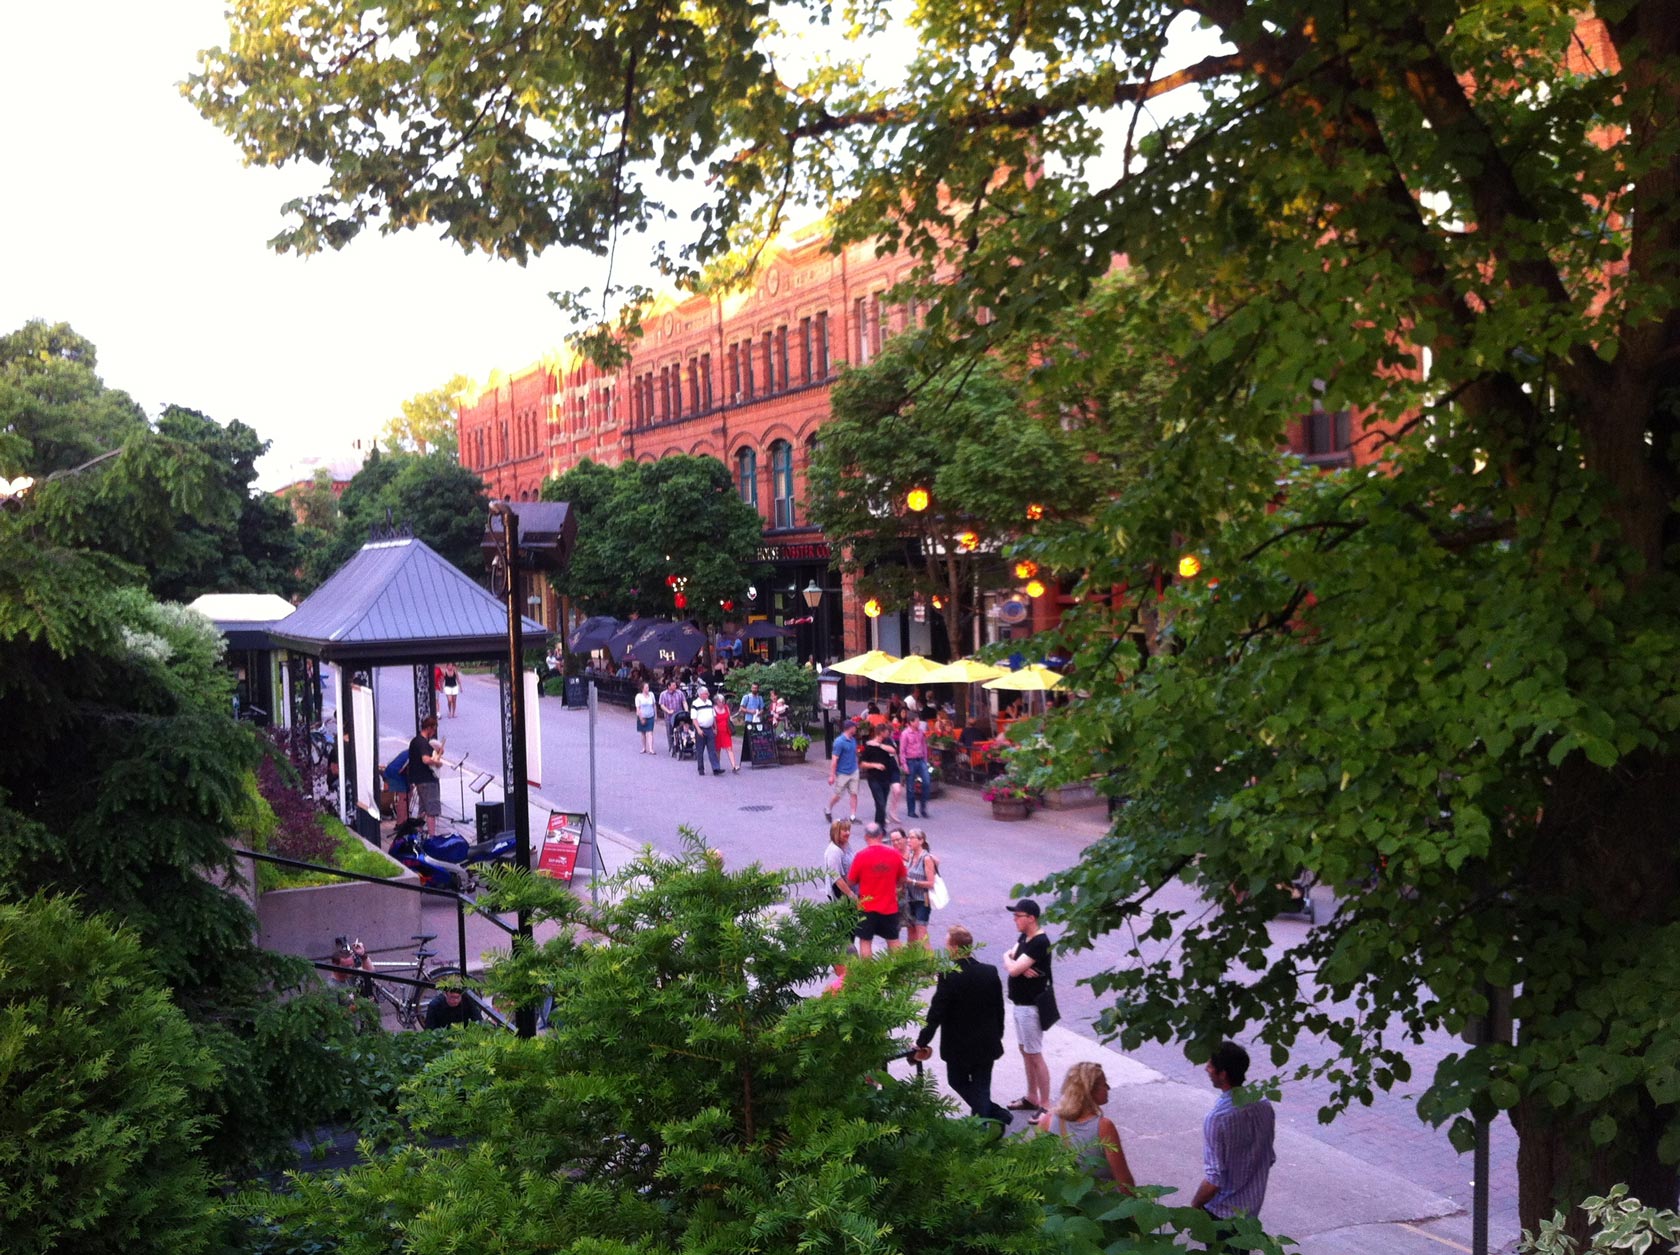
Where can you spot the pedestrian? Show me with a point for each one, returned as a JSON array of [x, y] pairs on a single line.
[[1237, 1143], [843, 770], [673, 704], [704, 715], [726, 734], [876, 873], [895, 777], [1028, 965], [913, 758], [921, 867], [967, 1013], [646, 705], [451, 1006], [425, 756], [1079, 1120], [837, 860], [396, 781], [451, 686], [752, 709], [874, 760], [778, 709]]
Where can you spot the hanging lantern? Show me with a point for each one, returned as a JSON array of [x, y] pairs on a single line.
[[872, 608], [670, 581], [727, 605], [1035, 512], [1189, 566], [938, 602], [1026, 569], [680, 601], [1035, 588], [917, 500]]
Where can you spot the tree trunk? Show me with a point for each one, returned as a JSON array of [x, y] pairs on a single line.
[[1605, 856]]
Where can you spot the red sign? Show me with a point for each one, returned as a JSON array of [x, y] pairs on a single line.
[[561, 844]]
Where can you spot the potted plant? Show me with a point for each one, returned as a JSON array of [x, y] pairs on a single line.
[[791, 749], [1010, 798]]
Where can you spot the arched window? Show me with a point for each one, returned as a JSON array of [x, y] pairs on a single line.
[[781, 482], [746, 476]]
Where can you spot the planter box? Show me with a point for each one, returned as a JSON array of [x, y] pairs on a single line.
[[789, 757], [304, 921], [1068, 796], [1011, 809]]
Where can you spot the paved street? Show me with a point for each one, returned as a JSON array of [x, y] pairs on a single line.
[[1376, 1180]]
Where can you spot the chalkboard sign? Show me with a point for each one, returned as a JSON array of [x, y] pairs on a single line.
[[577, 695], [763, 748]]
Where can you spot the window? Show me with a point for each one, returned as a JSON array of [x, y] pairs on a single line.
[[747, 391], [781, 483], [806, 350], [862, 341], [1326, 432], [746, 476], [770, 376], [662, 408], [706, 400], [694, 385], [734, 373], [822, 344], [782, 357]]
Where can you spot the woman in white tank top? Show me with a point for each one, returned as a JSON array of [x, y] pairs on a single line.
[[1079, 1120]]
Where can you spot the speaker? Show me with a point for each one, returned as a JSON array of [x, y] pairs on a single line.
[[487, 820]]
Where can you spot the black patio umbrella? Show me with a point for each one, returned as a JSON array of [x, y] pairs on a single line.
[[764, 630], [622, 639], [592, 634], [668, 645]]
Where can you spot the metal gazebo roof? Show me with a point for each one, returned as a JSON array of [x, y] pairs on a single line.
[[397, 602]]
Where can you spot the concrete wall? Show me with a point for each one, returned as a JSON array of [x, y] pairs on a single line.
[[305, 921]]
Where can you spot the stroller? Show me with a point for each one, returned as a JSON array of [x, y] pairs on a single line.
[[682, 736]]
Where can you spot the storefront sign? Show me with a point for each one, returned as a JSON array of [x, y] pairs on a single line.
[[795, 551]]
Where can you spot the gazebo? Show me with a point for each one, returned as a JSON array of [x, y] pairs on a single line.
[[246, 622], [395, 604]]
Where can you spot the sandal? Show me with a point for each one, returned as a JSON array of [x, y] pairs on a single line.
[[1024, 1104]]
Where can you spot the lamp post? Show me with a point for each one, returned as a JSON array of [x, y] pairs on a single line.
[[813, 599], [504, 569]]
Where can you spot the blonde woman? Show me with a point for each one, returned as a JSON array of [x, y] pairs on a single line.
[[920, 869], [1078, 1119]]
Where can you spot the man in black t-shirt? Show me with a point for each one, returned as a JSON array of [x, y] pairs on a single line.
[[1028, 965], [425, 756]]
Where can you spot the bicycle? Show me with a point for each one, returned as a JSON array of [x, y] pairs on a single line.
[[409, 1004]]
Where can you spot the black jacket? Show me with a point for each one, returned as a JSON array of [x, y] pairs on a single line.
[[967, 1011]]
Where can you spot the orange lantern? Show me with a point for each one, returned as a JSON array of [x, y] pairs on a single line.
[[917, 499], [1026, 569], [938, 602], [872, 608], [1189, 566], [1035, 588], [1035, 511]]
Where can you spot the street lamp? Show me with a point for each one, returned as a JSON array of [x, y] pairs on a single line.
[[813, 596], [917, 500]]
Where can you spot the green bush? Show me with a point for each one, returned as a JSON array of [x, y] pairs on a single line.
[[101, 1083], [791, 680], [351, 854]]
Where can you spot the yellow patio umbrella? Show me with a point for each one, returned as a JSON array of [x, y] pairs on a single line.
[[863, 664], [964, 671], [911, 669], [1033, 679]]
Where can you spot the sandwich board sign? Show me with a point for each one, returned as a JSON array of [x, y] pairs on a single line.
[[561, 843]]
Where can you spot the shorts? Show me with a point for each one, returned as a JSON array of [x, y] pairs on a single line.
[[431, 802], [881, 925], [920, 913], [645, 725], [1028, 1035], [846, 782]]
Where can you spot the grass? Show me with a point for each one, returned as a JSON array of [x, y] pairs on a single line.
[[351, 855]]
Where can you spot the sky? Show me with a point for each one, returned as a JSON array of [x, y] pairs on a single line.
[[133, 219]]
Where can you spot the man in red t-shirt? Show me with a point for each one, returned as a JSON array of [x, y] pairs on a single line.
[[876, 872]]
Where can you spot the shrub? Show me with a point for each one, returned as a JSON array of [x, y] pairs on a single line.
[[791, 680], [99, 1135]]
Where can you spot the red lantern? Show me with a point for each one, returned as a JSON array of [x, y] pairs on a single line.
[[727, 606], [681, 601], [670, 581]]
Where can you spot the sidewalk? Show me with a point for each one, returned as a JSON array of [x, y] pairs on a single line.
[[1377, 1182]]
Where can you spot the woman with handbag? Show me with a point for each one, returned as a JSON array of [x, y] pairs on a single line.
[[922, 872]]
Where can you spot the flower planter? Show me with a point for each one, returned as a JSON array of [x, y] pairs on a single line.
[[1011, 809], [787, 756], [1068, 796], [305, 920]]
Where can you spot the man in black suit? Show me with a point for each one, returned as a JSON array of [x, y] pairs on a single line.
[[967, 1012]]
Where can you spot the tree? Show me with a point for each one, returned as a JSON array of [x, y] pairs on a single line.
[[965, 437], [441, 501], [1453, 220], [642, 523], [427, 421], [55, 412], [100, 1092]]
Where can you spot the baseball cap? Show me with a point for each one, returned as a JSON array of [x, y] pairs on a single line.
[[1026, 906]]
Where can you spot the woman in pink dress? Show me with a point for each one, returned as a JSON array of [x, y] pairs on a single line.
[[724, 733]]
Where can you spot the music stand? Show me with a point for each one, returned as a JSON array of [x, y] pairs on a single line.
[[480, 781]]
